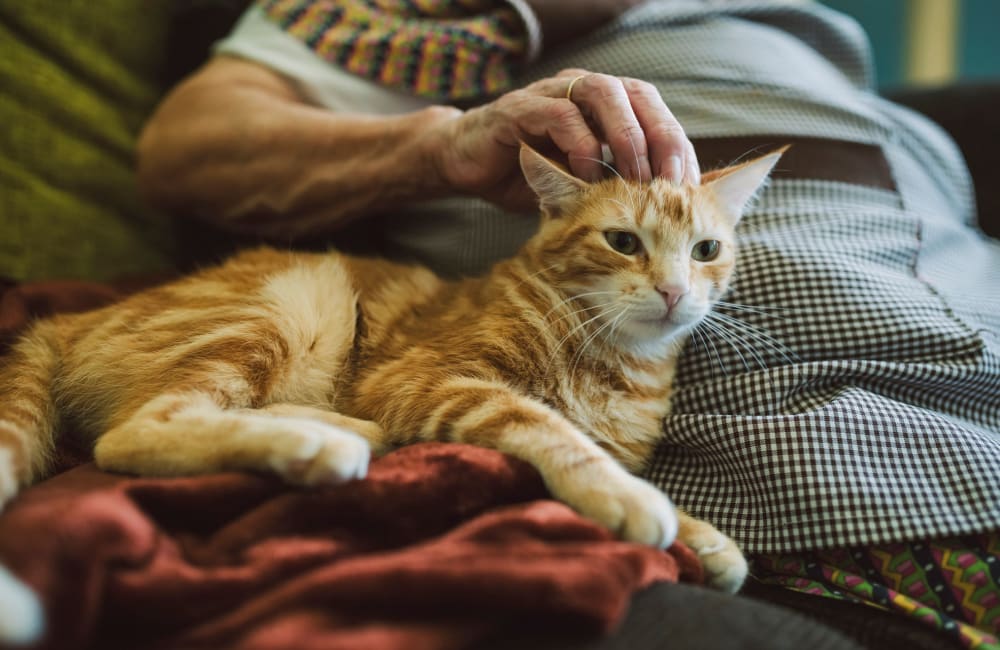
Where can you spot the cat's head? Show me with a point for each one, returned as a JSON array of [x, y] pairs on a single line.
[[648, 260]]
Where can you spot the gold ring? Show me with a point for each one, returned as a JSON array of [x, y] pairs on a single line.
[[569, 90]]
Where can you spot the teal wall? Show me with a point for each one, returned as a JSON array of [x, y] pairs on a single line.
[[885, 22], [978, 57]]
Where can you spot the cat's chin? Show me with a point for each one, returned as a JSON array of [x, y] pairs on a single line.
[[666, 324], [652, 337]]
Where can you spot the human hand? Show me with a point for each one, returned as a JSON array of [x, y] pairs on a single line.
[[476, 152]]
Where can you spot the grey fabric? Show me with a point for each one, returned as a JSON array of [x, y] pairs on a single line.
[[685, 617], [856, 400]]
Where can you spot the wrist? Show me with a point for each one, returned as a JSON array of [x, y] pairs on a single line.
[[434, 136]]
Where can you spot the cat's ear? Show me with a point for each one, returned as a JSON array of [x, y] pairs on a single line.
[[734, 187], [556, 188]]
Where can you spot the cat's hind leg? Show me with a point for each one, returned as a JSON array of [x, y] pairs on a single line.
[[724, 564], [189, 433]]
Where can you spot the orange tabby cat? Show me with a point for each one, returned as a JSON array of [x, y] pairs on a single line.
[[300, 364]]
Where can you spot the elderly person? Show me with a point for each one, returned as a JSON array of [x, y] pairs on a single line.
[[840, 419]]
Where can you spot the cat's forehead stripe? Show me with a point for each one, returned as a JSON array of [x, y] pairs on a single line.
[[665, 208]]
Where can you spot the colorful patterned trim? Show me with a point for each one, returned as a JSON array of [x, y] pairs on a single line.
[[952, 585], [440, 49]]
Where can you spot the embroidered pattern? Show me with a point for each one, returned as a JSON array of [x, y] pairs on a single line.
[[440, 49], [952, 585]]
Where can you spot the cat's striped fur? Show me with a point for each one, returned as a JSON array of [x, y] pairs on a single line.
[[299, 363]]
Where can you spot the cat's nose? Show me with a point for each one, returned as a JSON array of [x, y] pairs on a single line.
[[672, 293]]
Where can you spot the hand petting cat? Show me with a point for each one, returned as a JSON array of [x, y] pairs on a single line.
[[568, 116], [239, 146]]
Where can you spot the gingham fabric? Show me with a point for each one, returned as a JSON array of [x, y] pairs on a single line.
[[854, 399]]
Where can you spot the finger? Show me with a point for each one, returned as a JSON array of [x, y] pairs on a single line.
[[604, 98], [671, 154], [692, 170], [569, 73], [564, 125], [570, 128], [540, 115]]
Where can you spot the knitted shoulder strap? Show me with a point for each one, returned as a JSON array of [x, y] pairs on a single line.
[[440, 49]]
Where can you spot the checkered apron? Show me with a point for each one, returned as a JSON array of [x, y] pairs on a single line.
[[852, 394]]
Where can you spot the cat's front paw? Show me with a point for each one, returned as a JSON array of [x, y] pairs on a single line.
[[723, 562], [313, 453], [632, 508]]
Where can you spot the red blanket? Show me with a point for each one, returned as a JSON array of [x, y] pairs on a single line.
[[440, 547]]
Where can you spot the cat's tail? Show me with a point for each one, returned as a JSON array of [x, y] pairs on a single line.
[[28, 416]]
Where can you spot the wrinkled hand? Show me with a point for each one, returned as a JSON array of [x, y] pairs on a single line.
[[476, 152]]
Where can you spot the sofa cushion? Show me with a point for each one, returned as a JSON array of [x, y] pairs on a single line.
[[78, 83]]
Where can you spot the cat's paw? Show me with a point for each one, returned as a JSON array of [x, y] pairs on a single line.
[[632, 508], [723, 562], [313, 453]]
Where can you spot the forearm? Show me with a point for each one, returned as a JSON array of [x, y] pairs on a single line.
[[235, 145]]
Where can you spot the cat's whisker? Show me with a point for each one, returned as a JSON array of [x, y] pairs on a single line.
[[750, 335], [753, 151], [566, 301], [537, 273], [752, 309], [760, 334], [757, 335], [635, 154], [727, 338], [617, 320], [578, 356], [740, 343], [718, 357], [573, 313], [614, 326], [738, 333], [579, 352], [573, 331], [582, 310], [627, 185], [616, 202], [703, 342], [734, 292], [604, 163]]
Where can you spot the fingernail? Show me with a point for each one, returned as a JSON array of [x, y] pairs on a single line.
[[645, 172], [675, 169]]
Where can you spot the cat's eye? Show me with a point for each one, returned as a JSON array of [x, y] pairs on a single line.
[[624, 242], [706, 251]]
